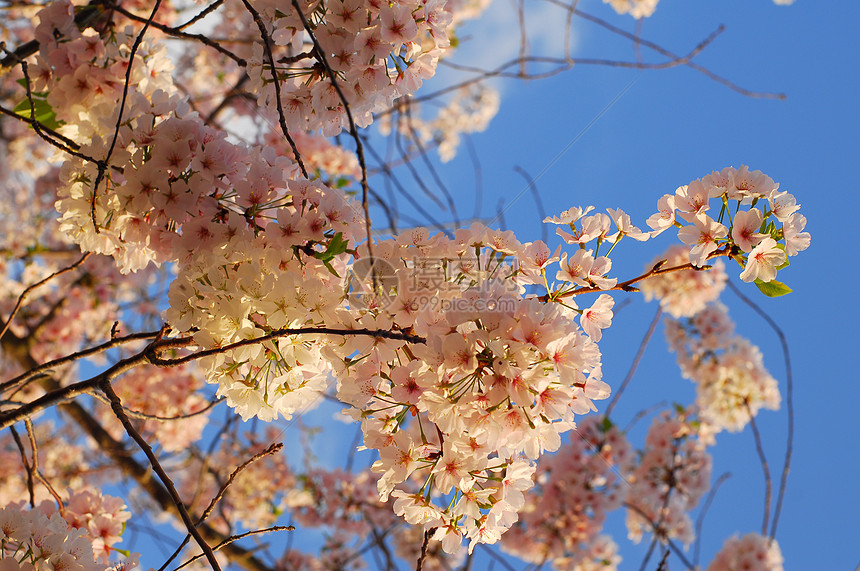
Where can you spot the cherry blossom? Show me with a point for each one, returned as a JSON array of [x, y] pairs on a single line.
[[703, 235], [684, 293], [597, 317], [763, 261], [745, 228], [751, 552], [732, 383], [464, 367]]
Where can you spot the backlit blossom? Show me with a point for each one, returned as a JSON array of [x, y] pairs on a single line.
[[703, 236], [597, 317], [752, 552], [626, 227], [763, 261], [665, 216], [795, 240], [745, 229]]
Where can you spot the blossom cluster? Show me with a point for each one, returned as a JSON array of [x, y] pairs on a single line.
[[460, 416], [173, 403], [752, 235], [670, 479], [575, 490], [752, 552], [378, 52], [77, 537], [258, 249], [684, 293], [467, 376], [732, 384], [103, 518]]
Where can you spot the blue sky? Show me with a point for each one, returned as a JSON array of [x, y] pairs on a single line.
[[668, 128]]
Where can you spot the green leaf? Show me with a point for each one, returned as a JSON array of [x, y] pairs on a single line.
[[330, 268], [44, 113], [336, 246], [772, 288], [606, 424]]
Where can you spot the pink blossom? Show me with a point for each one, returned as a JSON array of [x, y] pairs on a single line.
[[569, 216], [626, 227], [665, 216], [752, 552], [763, 261], [597, 317], [745, 229], [692, 198], [795, 240], [782, 205], [703, 236]]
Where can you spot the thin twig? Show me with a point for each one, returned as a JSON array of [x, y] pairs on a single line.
[[764, 467], [789, 403], [272, 449], [136, 414], [489, 551], [422, 153], [654, 528], [627, 286], [635, 365], [116, 406], [33, 123], [390, 176], [27, 467], [31, 435], [102, 165], [651, 45], [205, 12], [379, 540], [407, 162], [282, 120], [178, 33], [700, 521], [32, 287], [208, 511], [233, 538], [427, 535]]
